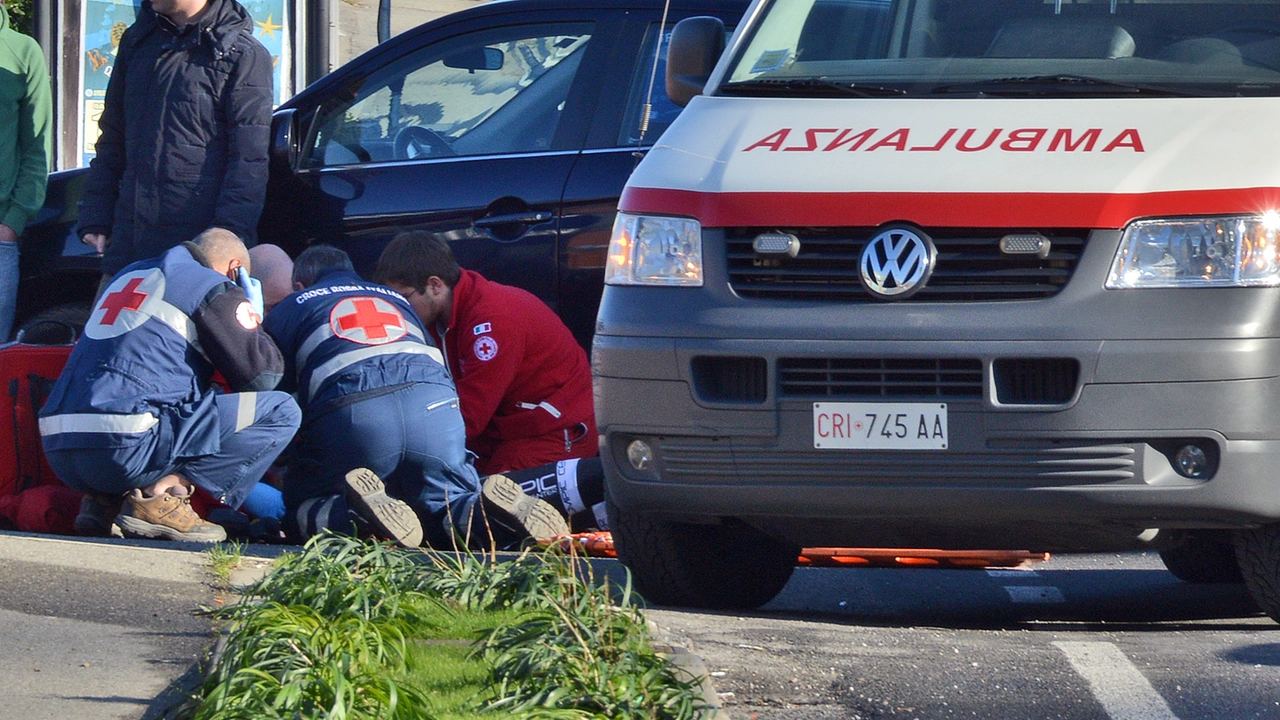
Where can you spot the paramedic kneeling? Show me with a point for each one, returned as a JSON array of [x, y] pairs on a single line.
[[523, 381], [379, 407], [133, 413]]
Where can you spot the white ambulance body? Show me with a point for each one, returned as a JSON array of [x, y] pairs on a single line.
[[951, 274]]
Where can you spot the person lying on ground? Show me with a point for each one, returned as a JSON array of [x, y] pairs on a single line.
[[134, 421], [382, 442]]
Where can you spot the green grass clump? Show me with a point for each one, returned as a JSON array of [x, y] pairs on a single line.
[[576, 654], [223, 559], [355, 630], [326, 637]]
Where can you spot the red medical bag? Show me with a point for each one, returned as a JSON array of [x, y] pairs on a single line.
[[27, 373]]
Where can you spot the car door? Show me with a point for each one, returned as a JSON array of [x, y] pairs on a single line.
[[470, 135], [617, 140]]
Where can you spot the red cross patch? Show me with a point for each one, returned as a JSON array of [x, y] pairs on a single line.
[[130, 300], [367, 321], [126, 298]]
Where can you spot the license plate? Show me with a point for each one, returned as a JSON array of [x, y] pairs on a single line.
[[879, 426]]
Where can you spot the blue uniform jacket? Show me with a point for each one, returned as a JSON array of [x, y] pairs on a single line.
[[141, 373], [346, 338]]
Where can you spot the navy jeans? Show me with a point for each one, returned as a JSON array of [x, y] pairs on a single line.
[[253, 428], [414, 439]]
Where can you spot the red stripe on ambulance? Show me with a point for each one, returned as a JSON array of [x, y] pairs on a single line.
[[945, 209]]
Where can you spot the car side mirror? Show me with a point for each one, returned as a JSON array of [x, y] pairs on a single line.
[[284, 141], [696, 45], [473, 59]]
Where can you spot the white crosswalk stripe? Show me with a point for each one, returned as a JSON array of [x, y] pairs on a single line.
[[1124, 692]]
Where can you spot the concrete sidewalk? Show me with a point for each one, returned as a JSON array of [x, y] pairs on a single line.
[[94, 629]]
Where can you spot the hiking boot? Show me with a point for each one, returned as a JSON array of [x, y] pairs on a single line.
[[97, 516], [167, 516], [388, 518], [506, 505]]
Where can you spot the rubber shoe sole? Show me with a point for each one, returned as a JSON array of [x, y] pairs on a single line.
[[521, 513], [391, 519], [134, 528]]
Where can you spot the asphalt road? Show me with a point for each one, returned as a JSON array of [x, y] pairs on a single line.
[[1090, 637], [98, 630]]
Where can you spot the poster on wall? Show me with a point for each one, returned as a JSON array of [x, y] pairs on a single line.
[[104, 22]]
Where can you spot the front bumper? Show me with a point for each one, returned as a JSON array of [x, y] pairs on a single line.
[[1091, 473]]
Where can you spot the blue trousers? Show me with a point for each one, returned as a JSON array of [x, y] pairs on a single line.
[[414, 439], [253, 429], [8, 287]]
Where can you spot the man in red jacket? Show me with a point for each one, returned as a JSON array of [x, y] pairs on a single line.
[[524, 383]]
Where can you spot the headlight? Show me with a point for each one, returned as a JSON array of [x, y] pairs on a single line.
[[1198, 252], [649, 250]]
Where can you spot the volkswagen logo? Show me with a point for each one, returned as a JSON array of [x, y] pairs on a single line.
[[897, 263]]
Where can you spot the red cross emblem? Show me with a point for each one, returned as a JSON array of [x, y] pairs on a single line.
[[126, 298], [368, 321]]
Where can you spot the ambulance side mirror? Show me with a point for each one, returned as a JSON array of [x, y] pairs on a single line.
[[696, 45], [283, 155]]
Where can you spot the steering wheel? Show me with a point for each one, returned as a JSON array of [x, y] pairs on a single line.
[[416, 142]]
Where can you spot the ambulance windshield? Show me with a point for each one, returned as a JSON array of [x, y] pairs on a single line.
[[1006, 48]]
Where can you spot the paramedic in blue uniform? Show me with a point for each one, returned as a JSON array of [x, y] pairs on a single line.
[[133, 419], [382, 436]]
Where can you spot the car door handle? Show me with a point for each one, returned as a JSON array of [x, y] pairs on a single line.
[[514, 219]]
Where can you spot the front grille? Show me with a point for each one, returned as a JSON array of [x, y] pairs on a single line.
[[970, 266], [1039, 463], [880, 378]]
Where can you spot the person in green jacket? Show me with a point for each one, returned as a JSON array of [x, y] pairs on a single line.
[[26, 135]]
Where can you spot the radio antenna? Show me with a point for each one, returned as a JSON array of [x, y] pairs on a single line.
[[647, 108]]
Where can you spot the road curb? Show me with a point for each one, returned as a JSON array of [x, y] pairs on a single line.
[[692, 668]]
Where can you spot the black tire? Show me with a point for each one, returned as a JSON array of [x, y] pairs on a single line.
[[1258, 552], [716, 567], [58, 325], [1203, 559]]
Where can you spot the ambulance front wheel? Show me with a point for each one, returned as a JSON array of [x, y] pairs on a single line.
[[1258, 551], [716, 567]]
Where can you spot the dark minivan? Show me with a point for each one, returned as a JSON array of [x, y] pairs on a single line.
[[508, 128]]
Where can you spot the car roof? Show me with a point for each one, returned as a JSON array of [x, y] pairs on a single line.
[[680, 5]]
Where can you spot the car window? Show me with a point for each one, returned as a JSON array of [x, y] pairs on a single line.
[[489, 92], [662, 112]]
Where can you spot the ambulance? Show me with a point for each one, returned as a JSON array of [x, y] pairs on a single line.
[[951, 274]]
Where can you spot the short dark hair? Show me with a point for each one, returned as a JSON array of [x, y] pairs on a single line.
[[316, 261], [414, 256]]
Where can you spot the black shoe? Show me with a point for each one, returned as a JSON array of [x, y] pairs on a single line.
[[388, 518], [97, 516], [507, 506]]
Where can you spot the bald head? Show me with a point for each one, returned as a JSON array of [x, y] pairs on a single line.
[[273, 268], [224, 250]]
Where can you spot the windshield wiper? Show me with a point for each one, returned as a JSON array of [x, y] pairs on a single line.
[[1061, 85], [807, 87]]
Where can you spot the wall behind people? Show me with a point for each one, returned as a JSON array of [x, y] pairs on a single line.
[[358, 22]]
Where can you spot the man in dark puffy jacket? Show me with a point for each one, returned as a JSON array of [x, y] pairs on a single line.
[[184, 132]]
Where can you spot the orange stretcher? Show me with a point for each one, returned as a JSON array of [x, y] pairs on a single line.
[[600, 544]]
